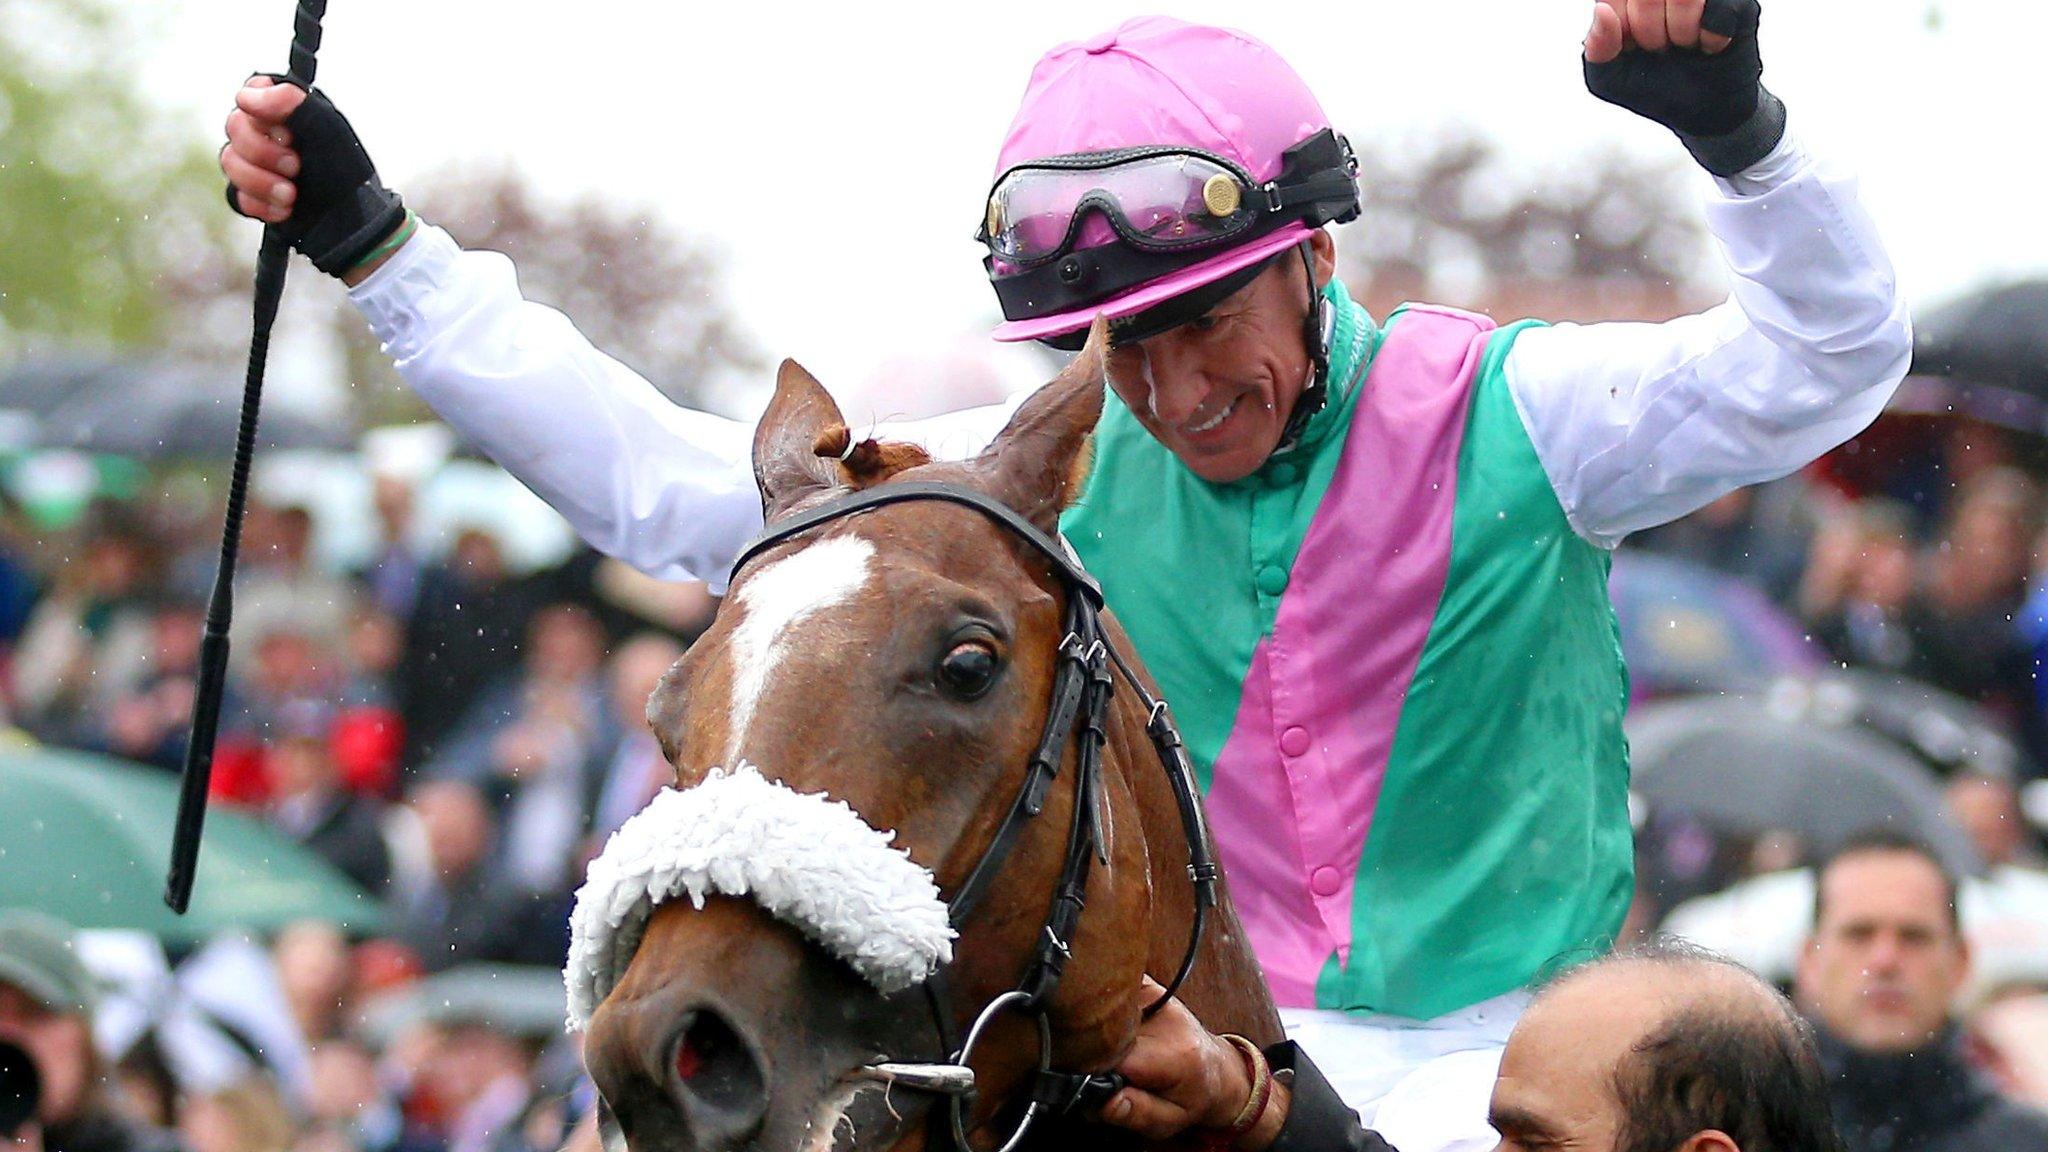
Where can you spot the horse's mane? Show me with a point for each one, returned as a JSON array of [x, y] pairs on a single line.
[[866, 463]]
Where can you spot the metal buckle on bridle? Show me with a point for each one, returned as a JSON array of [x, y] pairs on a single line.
[[957, 1105]]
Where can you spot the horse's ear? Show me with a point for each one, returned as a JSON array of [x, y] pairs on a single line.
[[786, 464], [665, 707], [1038, 463]]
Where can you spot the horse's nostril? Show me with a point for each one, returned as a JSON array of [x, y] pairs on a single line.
[[719, 1073]]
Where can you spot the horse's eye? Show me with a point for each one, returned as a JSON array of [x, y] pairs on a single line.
[[968, 670]]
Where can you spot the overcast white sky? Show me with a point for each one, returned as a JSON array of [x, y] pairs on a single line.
[[838, 154]]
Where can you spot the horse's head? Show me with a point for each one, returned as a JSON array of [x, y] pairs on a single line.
[[848, 739]]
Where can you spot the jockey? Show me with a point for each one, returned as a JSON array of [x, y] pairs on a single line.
[[1366, 559]]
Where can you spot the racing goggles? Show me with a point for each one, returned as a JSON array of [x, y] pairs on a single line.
[[1155, 199]]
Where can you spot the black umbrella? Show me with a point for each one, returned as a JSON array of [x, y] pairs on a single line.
[[1996, 336], [1947, 732], [1756, 765], [138, 408]]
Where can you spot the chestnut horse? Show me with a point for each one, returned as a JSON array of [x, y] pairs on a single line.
[[907, 649]]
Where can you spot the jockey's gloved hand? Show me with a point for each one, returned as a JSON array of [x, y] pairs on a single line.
[[342, 211], [1714, 101]]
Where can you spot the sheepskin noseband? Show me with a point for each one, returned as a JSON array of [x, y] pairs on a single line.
[[809, 861]]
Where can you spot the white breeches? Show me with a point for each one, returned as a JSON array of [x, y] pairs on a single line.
[[1421, 1084]]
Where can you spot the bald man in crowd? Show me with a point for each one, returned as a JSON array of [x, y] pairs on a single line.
[[1664, 1048]]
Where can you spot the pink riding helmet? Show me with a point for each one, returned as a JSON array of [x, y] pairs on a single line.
[[1159, 83]]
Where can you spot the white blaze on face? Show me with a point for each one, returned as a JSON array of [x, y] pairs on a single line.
[[775, 604]]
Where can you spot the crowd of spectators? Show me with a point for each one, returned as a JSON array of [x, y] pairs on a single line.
[[455, 737], [459, 738]]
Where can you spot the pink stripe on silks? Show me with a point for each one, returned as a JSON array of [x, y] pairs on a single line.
[[1253, 821], [1349, 630]]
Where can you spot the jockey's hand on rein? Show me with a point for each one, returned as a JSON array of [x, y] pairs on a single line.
[[342, 212], [1711, 94]]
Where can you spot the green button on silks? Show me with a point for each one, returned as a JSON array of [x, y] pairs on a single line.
[[1272, 580]]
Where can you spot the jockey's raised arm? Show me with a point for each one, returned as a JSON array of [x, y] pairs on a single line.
[[667, 489]]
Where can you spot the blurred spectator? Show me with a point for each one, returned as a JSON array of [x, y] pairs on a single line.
[[1988, 809], [2011, 1033], [280, 582], [317, 974], [455, 907], [150, 723], [1967, 449], [386, 964], [1976, 584], [289, 665], [289, 671], [465, 629], [633, 768], [535, 740], [18, 581], [369, 736], [482, 1080], [1756, 534], [1878, 978], [2031, 624], [46, 1008], [145, 1087], [1678, 858], [310, 802], [88, 643], [1858, 592], [350, 1110], [393, 576], [248, 1116]]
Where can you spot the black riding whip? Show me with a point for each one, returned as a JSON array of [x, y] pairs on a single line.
[[271, 260]]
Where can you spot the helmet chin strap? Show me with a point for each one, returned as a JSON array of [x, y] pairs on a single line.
[[1317, 329]]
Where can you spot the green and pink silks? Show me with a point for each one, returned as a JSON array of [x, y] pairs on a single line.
[[1397, 668]]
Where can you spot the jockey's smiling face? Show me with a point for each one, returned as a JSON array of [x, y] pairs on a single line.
[[1217, 391]]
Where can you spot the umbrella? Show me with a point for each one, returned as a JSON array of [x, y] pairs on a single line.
[[1950, 734], [1747, 765], [85, 838], [1996, 336], [516, 999], [140, 408], [1685, 628]]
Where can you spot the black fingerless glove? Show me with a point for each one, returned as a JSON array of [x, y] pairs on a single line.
[[342, 212], [1716, 103]]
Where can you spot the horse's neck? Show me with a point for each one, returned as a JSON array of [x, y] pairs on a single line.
[[1226, 989]]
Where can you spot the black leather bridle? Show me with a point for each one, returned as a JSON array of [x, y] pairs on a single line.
[[1081, 692]]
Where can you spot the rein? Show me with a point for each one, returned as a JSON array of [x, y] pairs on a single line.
[[1081, 693]]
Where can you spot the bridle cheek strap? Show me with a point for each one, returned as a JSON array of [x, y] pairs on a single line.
[[1083, 686]]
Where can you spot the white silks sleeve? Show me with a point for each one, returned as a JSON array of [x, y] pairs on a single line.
[[1638, 424], [664, 488]]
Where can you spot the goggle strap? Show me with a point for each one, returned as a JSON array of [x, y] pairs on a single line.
[[1339, 189]]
